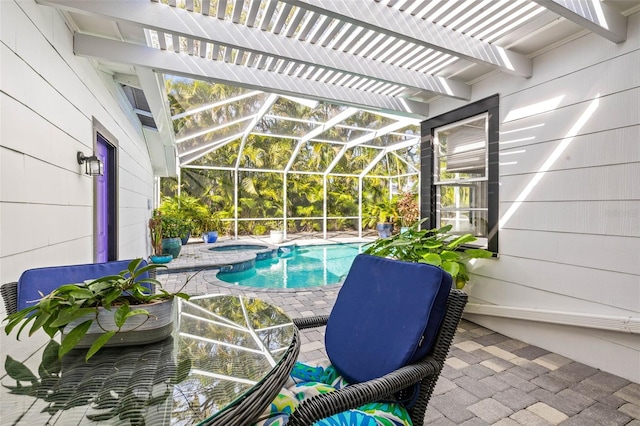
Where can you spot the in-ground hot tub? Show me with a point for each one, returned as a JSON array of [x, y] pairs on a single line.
[[261, 252], [239, 248]]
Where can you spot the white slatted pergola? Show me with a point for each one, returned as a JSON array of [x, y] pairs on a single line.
[[388, 58]]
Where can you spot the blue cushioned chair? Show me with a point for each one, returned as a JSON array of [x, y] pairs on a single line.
[[388, 334], [26, 291]]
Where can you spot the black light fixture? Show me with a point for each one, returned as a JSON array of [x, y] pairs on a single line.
[[92, 165]]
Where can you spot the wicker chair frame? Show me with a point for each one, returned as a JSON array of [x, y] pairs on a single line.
[[426, 372], [250, 406]]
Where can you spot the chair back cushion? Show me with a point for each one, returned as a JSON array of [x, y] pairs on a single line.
[[45, 280], [386, 316]]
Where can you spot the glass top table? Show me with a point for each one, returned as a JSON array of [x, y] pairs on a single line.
[[226, 360]]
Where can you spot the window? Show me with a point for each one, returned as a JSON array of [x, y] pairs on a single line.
[[460, 171]]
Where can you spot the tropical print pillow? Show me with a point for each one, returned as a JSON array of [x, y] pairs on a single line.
[[307, 381]]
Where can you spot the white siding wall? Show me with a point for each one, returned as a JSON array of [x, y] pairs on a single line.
[[573, 244], [48, 97]]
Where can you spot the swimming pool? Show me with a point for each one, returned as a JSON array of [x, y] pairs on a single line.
[[302, 267]]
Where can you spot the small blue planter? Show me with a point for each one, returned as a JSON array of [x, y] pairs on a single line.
[[165, 258], [185, 239], [211, 237]]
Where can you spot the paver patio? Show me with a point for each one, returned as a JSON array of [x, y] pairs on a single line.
[[488, 379]]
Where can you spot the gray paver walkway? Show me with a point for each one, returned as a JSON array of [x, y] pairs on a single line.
[[488, 379]]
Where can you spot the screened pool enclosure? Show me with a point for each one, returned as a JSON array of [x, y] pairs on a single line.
[[250, 153]]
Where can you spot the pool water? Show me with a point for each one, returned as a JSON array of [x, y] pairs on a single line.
[[304, 266]]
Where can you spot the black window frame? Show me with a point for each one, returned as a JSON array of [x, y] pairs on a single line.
[[428, 191]]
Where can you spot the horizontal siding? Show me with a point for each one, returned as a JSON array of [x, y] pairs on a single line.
[[571, 160], [608, 147], [48, 151], [615, 289], [569, 121], [49, 98], [613, 218], [42, 225], [607, 183], [586, 52], [556, 297], [26, 86], [607, 253], [604, 79]]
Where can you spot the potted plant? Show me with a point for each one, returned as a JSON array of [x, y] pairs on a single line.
[[434, 246], [91, 314], [276, 231], [155, 231], [191, 211], [383, 216], [173, 228], [408, 210], [213, 226]]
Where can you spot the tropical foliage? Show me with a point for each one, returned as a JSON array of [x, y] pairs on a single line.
[[222, 146], [383, 212], [435, 246], [185, 212]]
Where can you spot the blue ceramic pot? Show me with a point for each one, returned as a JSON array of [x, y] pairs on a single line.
[[185, 239], [171, 246], [212, 236]]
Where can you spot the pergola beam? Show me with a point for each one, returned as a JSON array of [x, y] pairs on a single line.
[[179, 22], [395, 23], [596, 16], [220, 72]]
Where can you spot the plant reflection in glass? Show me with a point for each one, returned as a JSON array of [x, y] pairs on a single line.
[[225, 345], [131, 392]]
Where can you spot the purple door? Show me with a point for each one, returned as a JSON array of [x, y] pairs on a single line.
[[102, 203]]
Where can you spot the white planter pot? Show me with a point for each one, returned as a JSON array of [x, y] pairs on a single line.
[[276, 237], [137, 330]]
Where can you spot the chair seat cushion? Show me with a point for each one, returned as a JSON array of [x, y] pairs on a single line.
[[386, 316], [47, 279], [307, 381]]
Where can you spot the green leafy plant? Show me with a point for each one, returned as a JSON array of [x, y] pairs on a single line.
[[382, 212], [434, 246], [121, 293], [190, 212], [173, 227]]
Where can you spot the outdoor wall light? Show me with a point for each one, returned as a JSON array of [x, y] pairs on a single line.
[[92, 165]]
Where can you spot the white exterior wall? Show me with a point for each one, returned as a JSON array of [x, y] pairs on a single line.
[[48, 98], [569, 199]]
